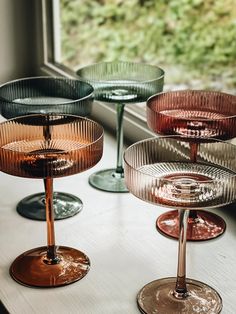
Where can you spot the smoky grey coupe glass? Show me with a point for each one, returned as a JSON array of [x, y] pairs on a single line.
[[42, 95]]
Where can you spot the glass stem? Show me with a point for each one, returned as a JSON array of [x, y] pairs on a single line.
[[181, 287], [193, 157], [51, 248], [119, 137], [47, 130], [193, 151], [193, 215]]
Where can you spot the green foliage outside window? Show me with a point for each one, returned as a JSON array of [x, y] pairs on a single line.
[[198, 37]]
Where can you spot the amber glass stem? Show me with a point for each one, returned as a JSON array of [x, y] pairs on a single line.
[[119, 136], [51, 248], [181, 288], [47, 133]]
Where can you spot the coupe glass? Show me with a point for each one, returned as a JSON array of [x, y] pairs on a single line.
[[38, 95], [49, 146], [160, 171], [120, 83], [196, 115]]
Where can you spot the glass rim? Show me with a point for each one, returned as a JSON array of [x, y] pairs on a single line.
[[177, 137], [93, 65], [183, 91], [100, 136], [44, 77]]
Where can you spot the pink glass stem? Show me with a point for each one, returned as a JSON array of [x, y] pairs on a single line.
[[51, 248], [181, 288], [193, 151]]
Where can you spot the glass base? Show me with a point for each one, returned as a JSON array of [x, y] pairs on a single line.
[[108, 180], [205, 227], [157, 298], [30, 268], [65, 205]]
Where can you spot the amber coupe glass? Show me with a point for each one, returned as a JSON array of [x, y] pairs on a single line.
[[120, 83], [196, 115], [160, 171], [48, 147], [36, 95]]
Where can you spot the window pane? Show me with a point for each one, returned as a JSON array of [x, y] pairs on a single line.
[[194, 41]]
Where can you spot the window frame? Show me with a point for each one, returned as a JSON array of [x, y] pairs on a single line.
[[134, 124]]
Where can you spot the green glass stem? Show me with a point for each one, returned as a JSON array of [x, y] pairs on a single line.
[[120, 138]]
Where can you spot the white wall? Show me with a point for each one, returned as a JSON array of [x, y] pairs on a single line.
[[17, 39]]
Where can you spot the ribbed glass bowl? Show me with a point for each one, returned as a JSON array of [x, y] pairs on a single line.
[[193, 113], [121, 81], [162, 165], [49, 145], [35, 95]]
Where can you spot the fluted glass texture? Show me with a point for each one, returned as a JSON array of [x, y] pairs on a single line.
[[193, 113], [159, 170], [36, 95], [123, 82], [42, 146]]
